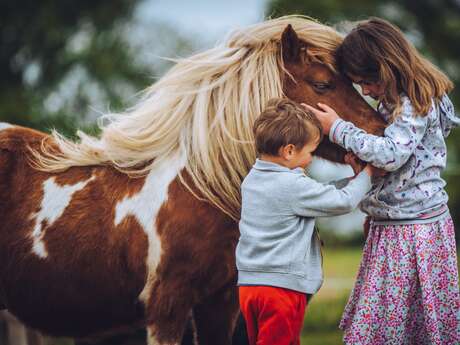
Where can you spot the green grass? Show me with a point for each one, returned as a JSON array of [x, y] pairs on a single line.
[[322, 338], [341, 262], [325, 309]]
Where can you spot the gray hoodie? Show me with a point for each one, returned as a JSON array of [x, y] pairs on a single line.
[[278, 245], [413, 150]]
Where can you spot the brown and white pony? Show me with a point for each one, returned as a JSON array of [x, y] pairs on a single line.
[[138, 227]]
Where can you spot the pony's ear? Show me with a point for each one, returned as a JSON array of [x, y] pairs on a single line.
[[290, 45]]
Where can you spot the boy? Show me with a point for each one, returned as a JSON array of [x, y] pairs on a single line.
[[278, 254]]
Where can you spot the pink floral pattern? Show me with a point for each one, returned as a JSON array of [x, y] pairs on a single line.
[[407, 288]]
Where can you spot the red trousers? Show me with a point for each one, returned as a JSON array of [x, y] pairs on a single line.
[[274, 316]]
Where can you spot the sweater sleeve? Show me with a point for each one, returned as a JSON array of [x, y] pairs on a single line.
[[313, 199], [390, 151], [339, 184]]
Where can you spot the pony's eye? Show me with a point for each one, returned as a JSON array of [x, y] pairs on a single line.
[[322, 86]]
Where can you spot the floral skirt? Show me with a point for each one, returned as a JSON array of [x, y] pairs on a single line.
[[407, 288]]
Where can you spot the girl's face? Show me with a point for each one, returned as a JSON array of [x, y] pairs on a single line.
[[369, 88]]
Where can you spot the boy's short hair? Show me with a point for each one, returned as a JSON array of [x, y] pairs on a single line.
[[284, 122]]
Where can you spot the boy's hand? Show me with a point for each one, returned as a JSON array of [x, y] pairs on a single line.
[[327, 116], [356, 164], [374, 172]]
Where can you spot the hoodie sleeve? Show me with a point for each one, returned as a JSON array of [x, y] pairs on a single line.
[[390, 151], [447, 117], [310, 198], [339, 184]]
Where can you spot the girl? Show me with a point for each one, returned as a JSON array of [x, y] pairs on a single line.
[[407, 286]]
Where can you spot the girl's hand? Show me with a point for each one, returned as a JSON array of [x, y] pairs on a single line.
[[327, 116], [356, 164]]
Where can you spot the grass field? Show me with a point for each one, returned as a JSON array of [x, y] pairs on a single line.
[[325, 309]]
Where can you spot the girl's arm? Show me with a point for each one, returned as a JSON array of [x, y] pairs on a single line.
[[389, 152]]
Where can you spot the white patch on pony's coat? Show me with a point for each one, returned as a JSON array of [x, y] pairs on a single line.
[[55, 200], [4, 125], [145, 205]]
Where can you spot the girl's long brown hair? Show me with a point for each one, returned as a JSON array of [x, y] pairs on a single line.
[[377, 51]]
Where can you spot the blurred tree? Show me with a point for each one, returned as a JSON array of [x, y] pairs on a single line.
[[433, 27], [59, 56]]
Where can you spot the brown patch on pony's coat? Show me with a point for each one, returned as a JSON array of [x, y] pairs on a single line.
[[94, 272]]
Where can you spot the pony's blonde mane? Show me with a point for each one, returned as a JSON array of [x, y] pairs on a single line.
[[204, 107]]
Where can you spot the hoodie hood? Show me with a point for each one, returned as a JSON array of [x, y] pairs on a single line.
[[447, 117]]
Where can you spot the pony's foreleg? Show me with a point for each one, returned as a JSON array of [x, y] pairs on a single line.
[[215, 318], [168, 313], [166, 333]]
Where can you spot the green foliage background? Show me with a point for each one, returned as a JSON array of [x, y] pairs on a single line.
[[48, 47]]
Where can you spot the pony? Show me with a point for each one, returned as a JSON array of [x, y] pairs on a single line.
[[137, 227]]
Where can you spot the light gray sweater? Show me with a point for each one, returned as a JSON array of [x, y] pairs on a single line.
[[278, 245]]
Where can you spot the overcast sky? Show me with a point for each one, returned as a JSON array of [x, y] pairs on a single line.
[[204, 19]]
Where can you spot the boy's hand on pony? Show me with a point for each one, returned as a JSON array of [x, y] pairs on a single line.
[[356, 164], [375, 172]]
